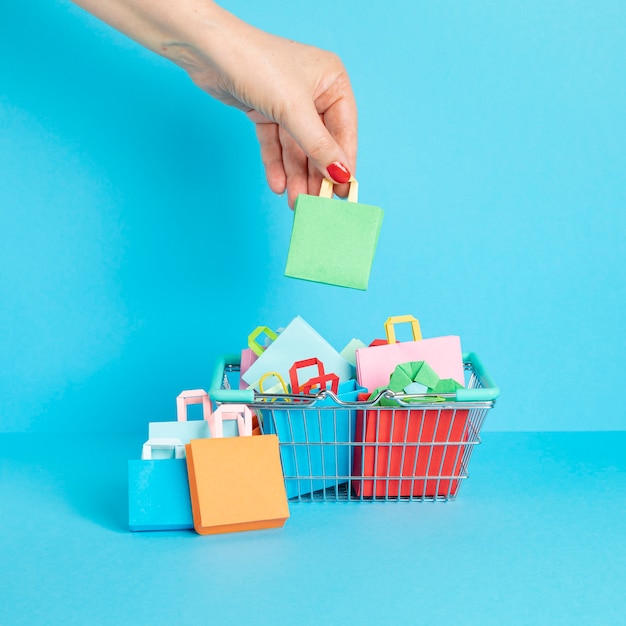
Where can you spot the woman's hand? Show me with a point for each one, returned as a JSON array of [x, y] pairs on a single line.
[[298, 96]]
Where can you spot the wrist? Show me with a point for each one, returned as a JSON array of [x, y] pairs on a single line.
[[190, 35], [210, 44]]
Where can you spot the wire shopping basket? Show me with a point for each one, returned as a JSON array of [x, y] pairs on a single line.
[[338, 449]]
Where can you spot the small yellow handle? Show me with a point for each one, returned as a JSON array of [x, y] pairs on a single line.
[[276, 375], [401, 319], [326, 190]]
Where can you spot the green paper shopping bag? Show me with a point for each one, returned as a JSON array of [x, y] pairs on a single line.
[[333, 241]]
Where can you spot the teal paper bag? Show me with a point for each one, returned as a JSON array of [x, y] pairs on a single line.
[[315, 445], [158, 488], [333, 241]]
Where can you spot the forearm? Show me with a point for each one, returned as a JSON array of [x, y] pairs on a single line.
[[298, 96], [180, 31], [221, 53]]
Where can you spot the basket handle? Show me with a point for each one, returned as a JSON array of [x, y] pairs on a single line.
[[488, 393], [326, 190], [401, 319], [216, 393]]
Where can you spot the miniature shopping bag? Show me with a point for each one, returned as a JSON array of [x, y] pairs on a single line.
[[254, 350], [375, 364], [185, 429], [158, 488], [410, 452], [321, 380], [315, 442], [296, 342], [333, 241], [236, 483]]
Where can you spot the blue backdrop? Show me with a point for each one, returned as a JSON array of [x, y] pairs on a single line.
[[138, 239]]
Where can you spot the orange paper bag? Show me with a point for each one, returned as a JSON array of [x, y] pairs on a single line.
[[236, 483]]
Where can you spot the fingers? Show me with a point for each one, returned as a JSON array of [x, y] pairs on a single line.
[[341, 121], [287, 167], [296, 167], [310, 133], [272, 156], [314, 179]]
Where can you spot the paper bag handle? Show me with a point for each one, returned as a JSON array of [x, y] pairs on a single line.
[[240, 412], [162, 443], [293, 371], [401, 319], [278, 377], [326, 190], [254, 345], [192, 396], [321, 381]]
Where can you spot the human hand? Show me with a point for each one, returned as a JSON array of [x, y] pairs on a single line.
[[299, 97]]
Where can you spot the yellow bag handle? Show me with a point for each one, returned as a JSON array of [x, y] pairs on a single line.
[[326, 190], [280, 379], [401, 319]]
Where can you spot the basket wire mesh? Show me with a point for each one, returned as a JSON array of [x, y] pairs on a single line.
[[358, 451]]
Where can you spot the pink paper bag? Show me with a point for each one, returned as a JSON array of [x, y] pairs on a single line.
[[248, 357], [375, 364]]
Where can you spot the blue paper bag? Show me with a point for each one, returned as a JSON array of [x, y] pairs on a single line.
[[315, 443], [158, 489]]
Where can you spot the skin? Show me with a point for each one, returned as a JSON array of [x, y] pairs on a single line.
[[299, 97]]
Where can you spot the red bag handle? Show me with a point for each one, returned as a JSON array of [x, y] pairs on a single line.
[[321, 382], [293, 372]]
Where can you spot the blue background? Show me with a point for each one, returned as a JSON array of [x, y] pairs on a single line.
[[138, 238]]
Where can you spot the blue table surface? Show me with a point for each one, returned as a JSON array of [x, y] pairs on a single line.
[[536, 536]]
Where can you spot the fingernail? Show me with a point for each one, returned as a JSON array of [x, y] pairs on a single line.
[[339, 172]]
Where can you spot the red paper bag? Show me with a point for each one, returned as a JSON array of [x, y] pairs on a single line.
[[427, 446]]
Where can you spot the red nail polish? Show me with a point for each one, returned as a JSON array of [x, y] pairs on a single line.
[[339, 172]]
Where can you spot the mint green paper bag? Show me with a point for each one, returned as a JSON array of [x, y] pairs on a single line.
[[333, 241]]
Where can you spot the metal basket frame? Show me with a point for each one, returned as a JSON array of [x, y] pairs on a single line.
[[429, 466]]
